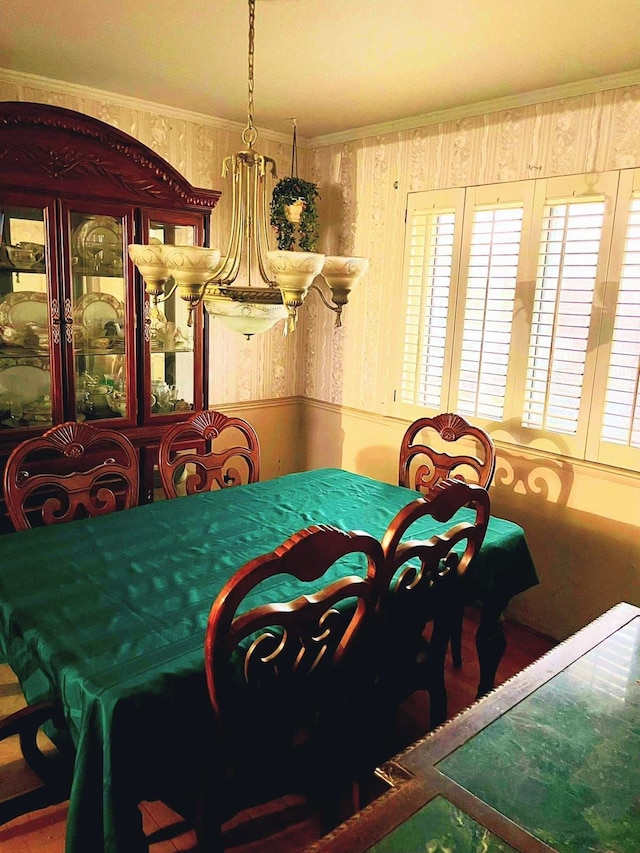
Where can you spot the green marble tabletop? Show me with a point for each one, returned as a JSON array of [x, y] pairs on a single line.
[[440, 827], [562, 762]]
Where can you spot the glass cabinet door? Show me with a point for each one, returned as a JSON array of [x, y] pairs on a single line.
[[25, 355], [171, 344], [98, 315]]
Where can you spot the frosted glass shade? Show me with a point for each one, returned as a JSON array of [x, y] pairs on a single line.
[[294, 273], [343, 272], [248, 318], [152, 266], [190, 266]]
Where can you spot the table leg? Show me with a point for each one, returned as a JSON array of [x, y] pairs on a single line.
[[435, 672], [490, 640], [457, 619]]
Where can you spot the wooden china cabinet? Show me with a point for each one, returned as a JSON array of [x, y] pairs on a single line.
[[79, 337]]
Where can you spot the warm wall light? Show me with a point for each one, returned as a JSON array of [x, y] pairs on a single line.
[[250, 288]]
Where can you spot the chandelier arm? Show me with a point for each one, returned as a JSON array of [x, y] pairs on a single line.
[[261, 218], [237, 225], [337, 309], [220, 274], [294, 150], [228, 270], [254, 244], [156, 298], [249, 219]]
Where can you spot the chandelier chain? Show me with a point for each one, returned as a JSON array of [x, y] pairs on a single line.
[[252, 18]]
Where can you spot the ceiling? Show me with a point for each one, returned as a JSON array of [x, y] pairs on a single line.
[[333, 65]]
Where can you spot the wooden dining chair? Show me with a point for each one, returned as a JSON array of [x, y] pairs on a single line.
[[434, 449], [51, 769], [72, 471], [445, 446], [423, 583], [207, 451], [289, 679]]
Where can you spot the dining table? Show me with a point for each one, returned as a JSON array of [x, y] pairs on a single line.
[[106, 617], [545, 763]]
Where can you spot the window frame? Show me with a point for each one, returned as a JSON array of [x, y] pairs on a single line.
[[616, 188]]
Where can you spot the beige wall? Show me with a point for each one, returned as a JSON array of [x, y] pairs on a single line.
[[322, 396]]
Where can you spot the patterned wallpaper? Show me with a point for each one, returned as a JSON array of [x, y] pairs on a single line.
[[363, 187]]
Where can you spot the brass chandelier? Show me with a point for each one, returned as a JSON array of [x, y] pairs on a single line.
[[251, 287]]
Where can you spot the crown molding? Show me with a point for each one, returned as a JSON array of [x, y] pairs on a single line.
[[75, 90], [509, 102], [569, 90]]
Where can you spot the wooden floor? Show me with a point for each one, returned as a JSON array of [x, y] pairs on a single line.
[[286, 823]]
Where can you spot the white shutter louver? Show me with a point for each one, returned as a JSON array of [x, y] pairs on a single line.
[[430, 263], [563, 299], [488, 315], [621, 413]]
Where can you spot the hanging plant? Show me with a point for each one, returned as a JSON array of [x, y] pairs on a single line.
[[293, 207]]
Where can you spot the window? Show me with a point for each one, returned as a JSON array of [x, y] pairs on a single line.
[[522, 312]]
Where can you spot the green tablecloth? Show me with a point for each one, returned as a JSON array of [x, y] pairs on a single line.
[[108, 615]]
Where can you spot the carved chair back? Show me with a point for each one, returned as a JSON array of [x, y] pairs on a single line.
[[207, 451], [72, 471], [445, 446], [423, 582], [287, 679]]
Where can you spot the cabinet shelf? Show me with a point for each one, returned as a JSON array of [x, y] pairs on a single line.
[[38, 269], [23, 352], [114, 350], [101, 271]]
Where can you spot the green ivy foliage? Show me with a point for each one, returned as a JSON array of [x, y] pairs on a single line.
[[287, 191]]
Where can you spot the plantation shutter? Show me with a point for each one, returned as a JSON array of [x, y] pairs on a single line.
[[565, 285], [522, 313], [569, 250], [492, 260], [433, 232], [492, 268], [621, 416], [616, 434]]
